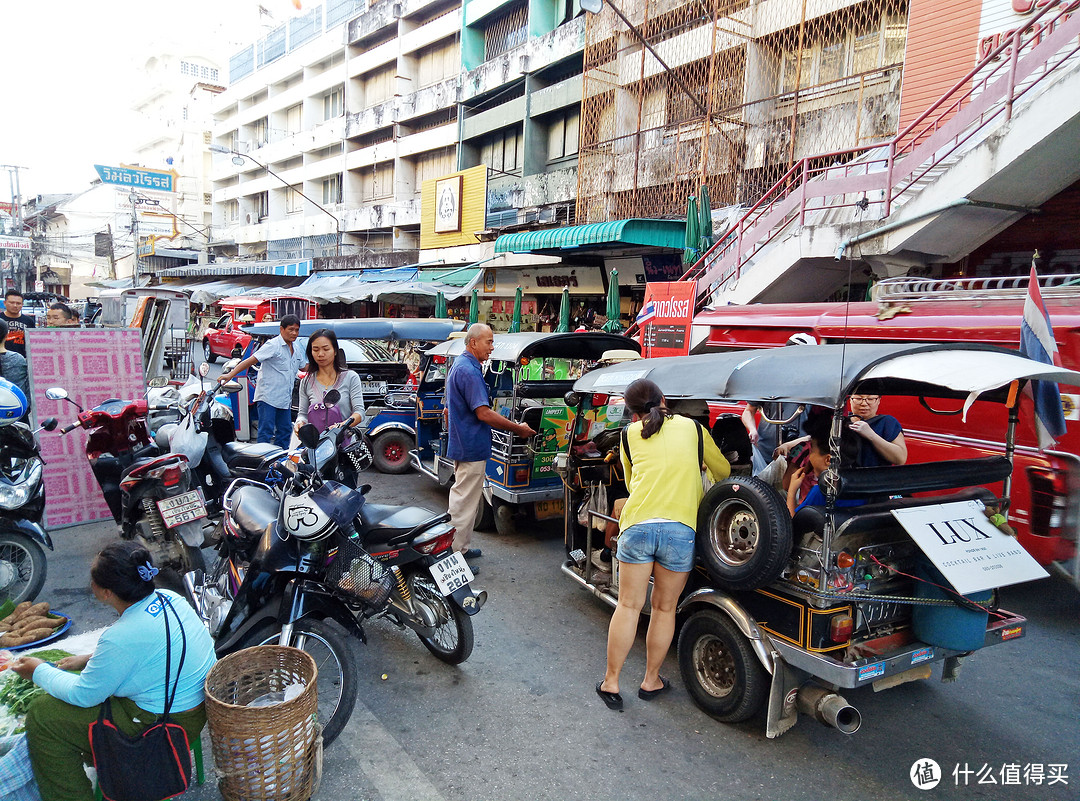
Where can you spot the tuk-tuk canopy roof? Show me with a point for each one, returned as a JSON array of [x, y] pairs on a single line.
[[410, 329], [511, 347], [824, 375]]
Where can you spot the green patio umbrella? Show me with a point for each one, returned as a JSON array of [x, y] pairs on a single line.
[[474, 307], [440, 305], [693, 232], [564, 313], [705, 212], [515, 323], [613, 326]]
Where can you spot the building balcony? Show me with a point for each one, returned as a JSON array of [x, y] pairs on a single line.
[[389, 213]]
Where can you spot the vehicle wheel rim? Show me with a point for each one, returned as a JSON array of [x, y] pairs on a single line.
[[393, 452], [16, 569], [446, 633], [734, 533], [206, 350], [330, 671], [714, 666]]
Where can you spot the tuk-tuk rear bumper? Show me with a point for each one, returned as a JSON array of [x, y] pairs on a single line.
[[859, 673]]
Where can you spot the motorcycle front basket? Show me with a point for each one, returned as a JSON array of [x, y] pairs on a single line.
[[357, 575]]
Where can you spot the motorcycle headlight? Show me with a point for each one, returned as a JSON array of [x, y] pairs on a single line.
[[14, 494]]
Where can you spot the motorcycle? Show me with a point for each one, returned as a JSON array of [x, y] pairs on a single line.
[[292, 558], [22, 505], [149, 494]]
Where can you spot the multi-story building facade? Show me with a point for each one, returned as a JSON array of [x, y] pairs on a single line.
[[338, 118]]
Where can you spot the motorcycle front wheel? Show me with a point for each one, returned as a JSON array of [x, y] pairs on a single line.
[[22, 568], [337, 671], [453, 638]]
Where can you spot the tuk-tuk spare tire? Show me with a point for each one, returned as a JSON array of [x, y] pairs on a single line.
[[743, 533]]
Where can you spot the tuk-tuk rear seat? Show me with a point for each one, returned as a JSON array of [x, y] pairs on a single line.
[[866, 483]]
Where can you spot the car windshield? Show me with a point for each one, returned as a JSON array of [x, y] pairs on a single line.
[[365, 350]]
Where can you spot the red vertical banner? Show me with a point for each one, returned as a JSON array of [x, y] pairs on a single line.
[[665, 318]]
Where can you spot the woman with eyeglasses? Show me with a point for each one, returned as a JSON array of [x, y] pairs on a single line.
[[882, 435]]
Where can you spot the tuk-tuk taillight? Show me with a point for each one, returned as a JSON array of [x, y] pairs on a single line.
[[840, 628]]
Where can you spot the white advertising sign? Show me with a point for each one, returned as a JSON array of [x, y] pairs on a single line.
[[967, 548]]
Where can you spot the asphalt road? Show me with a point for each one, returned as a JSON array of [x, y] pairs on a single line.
[[520, 719]]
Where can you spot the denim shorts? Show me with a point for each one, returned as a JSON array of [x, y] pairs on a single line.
[[669, 544]]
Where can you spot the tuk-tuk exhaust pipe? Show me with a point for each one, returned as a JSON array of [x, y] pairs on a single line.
[[828, 708]]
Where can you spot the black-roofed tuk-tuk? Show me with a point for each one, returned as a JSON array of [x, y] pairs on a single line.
[[785, 613]]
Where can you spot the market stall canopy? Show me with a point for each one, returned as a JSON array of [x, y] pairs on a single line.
[[389, 284], [512, 347], [404, 329], [824, 375], [650, 233], [206, 293]]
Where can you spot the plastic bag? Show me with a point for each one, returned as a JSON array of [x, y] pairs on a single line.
[[187, 441]]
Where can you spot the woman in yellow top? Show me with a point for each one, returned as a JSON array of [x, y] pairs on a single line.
[[656, 540]]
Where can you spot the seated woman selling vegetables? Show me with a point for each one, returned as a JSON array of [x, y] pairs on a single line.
[[127, 666]]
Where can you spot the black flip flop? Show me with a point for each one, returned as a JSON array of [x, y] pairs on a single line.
[[612, 700], [648, 695]]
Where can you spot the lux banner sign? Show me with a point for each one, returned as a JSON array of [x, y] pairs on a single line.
[[156, 180], [967, 548]]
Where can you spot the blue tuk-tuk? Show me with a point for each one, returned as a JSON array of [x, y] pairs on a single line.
[[528, 375], [377, 349]]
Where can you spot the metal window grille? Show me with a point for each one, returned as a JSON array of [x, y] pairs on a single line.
[[506, 31], [777, 82]]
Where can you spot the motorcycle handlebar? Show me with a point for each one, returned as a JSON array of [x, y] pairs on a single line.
[[70, 428]]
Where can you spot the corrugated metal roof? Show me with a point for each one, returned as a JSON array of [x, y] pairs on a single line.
[[650, 233]]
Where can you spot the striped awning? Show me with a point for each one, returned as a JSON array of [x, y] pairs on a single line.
[[289, 268], [649, 233]]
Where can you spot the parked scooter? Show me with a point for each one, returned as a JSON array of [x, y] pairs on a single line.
[[22, 505], [150, 495], [291, 559]]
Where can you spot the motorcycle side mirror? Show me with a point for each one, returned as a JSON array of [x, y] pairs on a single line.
[[157, 382], [204, 370], [333, 396], [229, 365], [49, 424], [232, 387], [309, 436], [56, 393]]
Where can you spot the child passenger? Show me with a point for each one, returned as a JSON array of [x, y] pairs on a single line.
[[817, 426]]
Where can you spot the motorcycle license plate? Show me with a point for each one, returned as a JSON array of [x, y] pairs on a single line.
[[547, 509], [373, 387], [451, 573], [182, 509]]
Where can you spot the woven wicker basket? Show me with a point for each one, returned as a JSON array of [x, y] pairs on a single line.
[[268, 752]]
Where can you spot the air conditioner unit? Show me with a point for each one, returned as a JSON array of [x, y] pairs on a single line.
[[250, 218]]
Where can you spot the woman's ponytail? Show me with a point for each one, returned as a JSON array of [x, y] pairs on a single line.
[[645, 399]]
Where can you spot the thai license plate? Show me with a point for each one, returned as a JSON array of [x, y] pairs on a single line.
[[373, 387], [451, 573], [548, 509], [182, 509]]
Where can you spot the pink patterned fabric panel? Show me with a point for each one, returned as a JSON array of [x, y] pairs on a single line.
[[92, 364]]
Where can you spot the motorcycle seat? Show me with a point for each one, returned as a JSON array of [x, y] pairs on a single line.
[[253, 510], [382, 523], [249, 455]]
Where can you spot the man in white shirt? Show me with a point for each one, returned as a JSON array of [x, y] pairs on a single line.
[[279, 360]]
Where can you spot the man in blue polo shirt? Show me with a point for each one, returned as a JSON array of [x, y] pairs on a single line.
[[471, 419]]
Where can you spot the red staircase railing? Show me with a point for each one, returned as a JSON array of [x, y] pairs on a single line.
[[987, 92]]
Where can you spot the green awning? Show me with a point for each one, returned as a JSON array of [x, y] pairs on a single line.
[[650, 233]]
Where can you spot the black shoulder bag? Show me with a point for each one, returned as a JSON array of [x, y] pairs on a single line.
[[162, 752]]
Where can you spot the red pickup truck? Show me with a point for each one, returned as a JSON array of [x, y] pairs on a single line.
[[224, 337]]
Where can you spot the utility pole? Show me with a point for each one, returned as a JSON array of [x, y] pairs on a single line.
[[16, 213], [135, 236], [112, 254]]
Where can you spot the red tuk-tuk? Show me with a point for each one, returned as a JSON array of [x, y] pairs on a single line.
[[224, 337]]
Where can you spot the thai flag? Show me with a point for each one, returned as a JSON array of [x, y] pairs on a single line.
[[648, 312], [1037, 342]]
